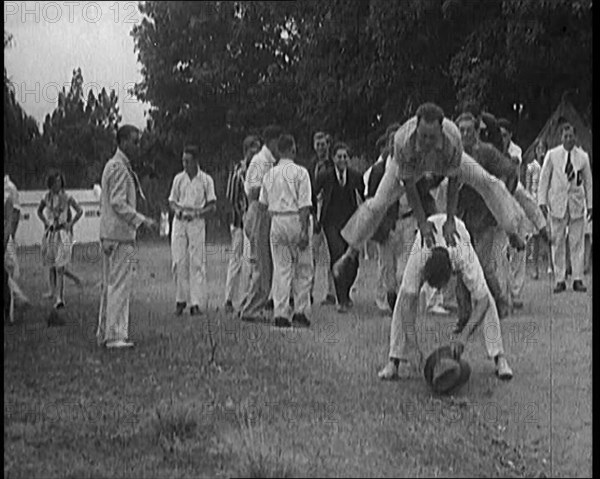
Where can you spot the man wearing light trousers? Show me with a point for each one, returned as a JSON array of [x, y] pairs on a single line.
[[119, 222], [192, 198]]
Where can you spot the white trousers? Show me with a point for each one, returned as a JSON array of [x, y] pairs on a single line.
[[558, 228], [320, 254], [118, 260], [238, 269], [292, 267], [403, 332], [518, 266], [188, 254]]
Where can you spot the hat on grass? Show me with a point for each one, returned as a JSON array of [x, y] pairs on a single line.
[[445, 373]]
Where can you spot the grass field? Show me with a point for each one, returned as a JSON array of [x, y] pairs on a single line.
[[214, 397]]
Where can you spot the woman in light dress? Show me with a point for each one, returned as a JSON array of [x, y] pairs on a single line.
[[57, 243]]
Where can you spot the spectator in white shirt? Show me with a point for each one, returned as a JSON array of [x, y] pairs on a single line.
[[532, 179], [192, 198], [286, 195]]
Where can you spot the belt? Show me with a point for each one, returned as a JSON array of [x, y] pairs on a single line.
[[284, 213], [406, 215], [184, 217], [53, 228]]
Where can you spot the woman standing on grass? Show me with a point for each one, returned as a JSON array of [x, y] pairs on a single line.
[[57, 243]]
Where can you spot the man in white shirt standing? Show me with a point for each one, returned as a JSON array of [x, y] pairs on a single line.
[[258, 226], [564, 191], [286, 194], [192, 199], [517, 259], [434, 266]]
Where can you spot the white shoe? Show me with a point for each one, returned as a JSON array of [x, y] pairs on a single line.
[[438, 309], [503, 370], [389, 372], [119, 344]]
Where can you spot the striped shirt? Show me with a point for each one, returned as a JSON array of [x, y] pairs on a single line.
[[236, 195]]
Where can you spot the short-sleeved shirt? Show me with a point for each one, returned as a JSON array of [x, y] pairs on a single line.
[[286, 188], [463, 258], [259, 165], [193, 193], [10, 191], [444, 159]]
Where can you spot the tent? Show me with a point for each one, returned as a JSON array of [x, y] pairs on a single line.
[[551, 133]]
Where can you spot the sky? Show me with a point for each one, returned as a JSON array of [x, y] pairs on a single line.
[[51, 39]]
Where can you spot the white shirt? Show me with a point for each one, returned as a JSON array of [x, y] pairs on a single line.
[[10, 191], [463, 258], [286, 188], [515, 150], [259, 165], [192, 193]]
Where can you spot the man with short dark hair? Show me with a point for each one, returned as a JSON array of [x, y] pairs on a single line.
[[234, 284], [564, 191], [320, 251], [258, 226], [286, 196], [119, 222], [435, 266], [192, 199]]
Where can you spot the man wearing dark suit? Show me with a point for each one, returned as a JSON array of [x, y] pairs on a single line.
[[341, 186]]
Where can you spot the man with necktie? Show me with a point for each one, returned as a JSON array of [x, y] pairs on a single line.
[[565, 189], [119, 221]]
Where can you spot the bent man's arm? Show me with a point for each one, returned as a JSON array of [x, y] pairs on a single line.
[[117, 197]]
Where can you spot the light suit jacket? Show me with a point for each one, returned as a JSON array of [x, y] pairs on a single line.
[[557, 192], [119, 219]]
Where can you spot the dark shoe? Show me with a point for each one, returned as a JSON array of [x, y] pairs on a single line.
[[269, 305], [329, 299], [248, 319], [578, 286], [300, 320], [560, 287], [195, 311], [179, 308], [343, 308], [518, 304], [312, 300], [229, 307], [292, 303], [281, 322]]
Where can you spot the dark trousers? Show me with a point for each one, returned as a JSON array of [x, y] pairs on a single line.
[[337, 247]]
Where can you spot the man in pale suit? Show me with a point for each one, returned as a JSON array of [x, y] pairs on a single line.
[[119, 222], [564, 190]]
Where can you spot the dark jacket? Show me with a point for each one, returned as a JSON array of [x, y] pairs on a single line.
[[326, 181], [471, 206], [389, 220]]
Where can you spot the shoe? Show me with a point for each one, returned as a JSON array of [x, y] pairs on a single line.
[[179, 308], [248, 319], [578, 286], [229, 307], [389, 372], [329, 299], [291, 303], [503, 370], [518, 304], [195, 311], [437, 309], [59, 304], [118, 344], [269, 305], [282, 322], [299, 319], [560, 287]]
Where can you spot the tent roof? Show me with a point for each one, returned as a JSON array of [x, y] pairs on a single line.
[[551, 133]]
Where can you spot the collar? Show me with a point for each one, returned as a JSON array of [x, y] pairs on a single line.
[[268, 155], [120, 155], [339, 174], [284, 161], [195, 176]]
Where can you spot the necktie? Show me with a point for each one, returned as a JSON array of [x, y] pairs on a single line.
[[569, 168], [341, 178], [138, 185]]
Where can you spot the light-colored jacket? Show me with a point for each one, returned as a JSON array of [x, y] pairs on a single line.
[[119, 219], [557, 192]]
